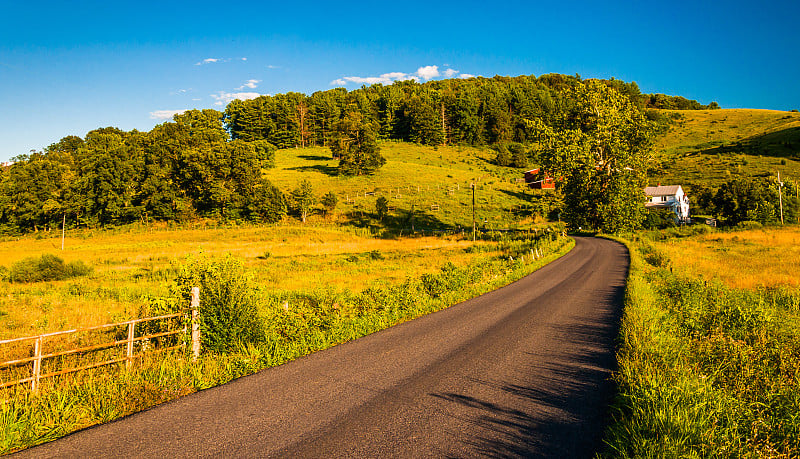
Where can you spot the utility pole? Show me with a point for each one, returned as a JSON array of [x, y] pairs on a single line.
[[473, 211], [780, 195]]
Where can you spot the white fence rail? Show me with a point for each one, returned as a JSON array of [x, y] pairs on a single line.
[[39, 355]]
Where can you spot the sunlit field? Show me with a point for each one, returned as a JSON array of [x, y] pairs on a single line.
[[133, 264], [743, 259], [710, 146]]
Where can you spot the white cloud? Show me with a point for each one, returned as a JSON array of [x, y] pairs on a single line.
[[273, 67], [464, 76], [424, 73], [428, 72], [214, 60], [224, 98], [210, 60], [252, 84], [385, 78], [369, 80], [400, 76], [165, 114], [180, 92]]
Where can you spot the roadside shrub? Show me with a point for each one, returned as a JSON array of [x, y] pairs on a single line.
[[653, 256], [46, 268], [449, 278], [229, 315]]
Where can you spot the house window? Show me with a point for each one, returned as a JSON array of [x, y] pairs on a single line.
[[663, 198]]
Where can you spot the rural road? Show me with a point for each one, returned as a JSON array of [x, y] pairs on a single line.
[[520, 372]]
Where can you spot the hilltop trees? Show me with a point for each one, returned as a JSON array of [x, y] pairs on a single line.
[[208, 163]]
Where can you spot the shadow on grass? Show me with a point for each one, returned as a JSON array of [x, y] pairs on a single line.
[[327, 170], [316, 158], [784, 143], [400, 222]]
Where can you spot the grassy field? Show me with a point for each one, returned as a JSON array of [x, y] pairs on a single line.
[[740, 260], [709, 364], [710, 146], [133, 263], [417, 177]]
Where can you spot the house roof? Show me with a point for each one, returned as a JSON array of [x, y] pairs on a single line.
[[665, 190]]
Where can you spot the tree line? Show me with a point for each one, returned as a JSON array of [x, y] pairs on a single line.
[[742, 199], [181, 169], [206, 163], [474, 111]]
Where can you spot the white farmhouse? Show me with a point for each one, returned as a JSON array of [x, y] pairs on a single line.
[[669, 197]]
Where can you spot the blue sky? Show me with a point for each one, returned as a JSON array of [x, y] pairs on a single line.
[[69, 67]]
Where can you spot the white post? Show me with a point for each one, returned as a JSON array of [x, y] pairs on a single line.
[[129, 346], [195, 323], [37, 365], [780, 195], [63, 225]]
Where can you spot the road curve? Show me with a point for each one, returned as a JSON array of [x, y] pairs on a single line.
[[519, 372]]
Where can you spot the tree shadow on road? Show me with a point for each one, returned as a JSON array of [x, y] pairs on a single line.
[[561, 406]]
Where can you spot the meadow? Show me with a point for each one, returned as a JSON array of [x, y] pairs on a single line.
[[134, 263], [709, 363], [433, 182], [709, 146]]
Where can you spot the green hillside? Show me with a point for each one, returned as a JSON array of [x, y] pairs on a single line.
[[710, 146], [418, 177], [702, 147]]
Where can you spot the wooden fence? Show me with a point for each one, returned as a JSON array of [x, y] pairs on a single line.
[[39, 356]]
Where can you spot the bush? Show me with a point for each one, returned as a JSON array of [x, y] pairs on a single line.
[[449, 278], [229, 315], [46, 268]]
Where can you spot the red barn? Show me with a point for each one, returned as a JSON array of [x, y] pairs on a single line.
[[539, 180]]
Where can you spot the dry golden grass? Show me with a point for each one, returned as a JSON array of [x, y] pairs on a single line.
[[133, 263], [744, 259]]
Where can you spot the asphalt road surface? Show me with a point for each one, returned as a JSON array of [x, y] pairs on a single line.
[[520, 372]]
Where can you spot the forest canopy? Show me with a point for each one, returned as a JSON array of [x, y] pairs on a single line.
[[207, 163]]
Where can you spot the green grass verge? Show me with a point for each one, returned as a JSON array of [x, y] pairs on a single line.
[[704, 370]]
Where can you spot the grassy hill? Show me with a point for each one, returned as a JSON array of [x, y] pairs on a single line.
[[701, 147], [709, 146], [419, 178]]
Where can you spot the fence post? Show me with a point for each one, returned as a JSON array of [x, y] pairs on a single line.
[[37, 365], [129, 346], [195, 323]]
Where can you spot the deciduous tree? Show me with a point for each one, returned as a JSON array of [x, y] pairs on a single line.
[[599, 151], [354, 143]]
